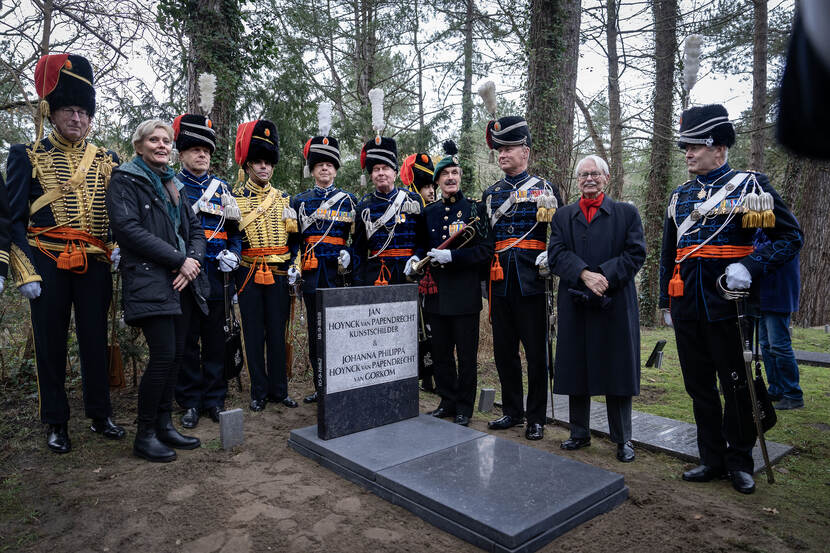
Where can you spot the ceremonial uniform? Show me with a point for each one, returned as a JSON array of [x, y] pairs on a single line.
[[201, 385], [518, 209], [61, 239], [5, 232], [385, 236], [452, 301], [385, 228], [269, 248], [326, 217], [721, 213]]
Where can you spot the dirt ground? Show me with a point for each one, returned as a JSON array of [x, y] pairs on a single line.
[[263, 496]]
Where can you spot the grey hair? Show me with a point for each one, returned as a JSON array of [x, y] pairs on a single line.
[[146, 128], [598, 161]]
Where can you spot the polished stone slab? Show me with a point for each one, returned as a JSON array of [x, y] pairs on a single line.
[[662, 434], [814, 358], [370, 451], [505, 491], [367, 350], [494, 493]]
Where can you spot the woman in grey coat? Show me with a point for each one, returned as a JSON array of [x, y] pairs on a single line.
[[596, 248]]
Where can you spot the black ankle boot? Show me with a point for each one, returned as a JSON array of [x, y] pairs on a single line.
[[168, 434], [147, 446]]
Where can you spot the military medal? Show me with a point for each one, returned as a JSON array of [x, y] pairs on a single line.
[[702, 193]]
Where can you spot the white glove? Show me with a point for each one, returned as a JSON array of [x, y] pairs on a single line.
[[293, 275], [667, 317], [343, 259], [737, 277], [228, 261], [2, 281], [30, 290], [407, 269], [542, 263], [235, 299], [115, 257], [440, 256]]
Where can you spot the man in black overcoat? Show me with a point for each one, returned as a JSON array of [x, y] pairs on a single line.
[[453, 301], [596, 248]]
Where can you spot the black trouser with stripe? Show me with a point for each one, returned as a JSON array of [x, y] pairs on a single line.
[[264, 310], [518, 318], [89, 294], [455, 382], [200, 382], [710, 350]]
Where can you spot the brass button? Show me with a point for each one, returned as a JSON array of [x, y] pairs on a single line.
[[445, 227], [445, 217], [443, 236]]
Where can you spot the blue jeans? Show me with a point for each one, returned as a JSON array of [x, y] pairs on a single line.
[[779, 359]]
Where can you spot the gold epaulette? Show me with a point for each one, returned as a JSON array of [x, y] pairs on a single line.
[[23, 271]]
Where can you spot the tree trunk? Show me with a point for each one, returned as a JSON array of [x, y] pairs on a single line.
[[466, 147], [214, 30], [592, 130], [759, 85], [553, 61], [420, 60], [807, 191], [46, 35], [615, 186], [658, 184]]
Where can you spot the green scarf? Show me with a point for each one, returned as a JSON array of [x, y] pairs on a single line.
[[172, 210]]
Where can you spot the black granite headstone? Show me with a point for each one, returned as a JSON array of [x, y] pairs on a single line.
[[367, 349]]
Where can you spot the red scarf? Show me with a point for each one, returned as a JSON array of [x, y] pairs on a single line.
[[589, 207]]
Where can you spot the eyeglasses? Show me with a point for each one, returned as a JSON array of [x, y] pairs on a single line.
[[593, 174], [81, 113]]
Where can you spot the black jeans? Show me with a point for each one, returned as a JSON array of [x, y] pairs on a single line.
[[165, 335]]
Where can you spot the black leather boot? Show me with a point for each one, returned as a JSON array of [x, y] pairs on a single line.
[[108, 428], [147, 446], [58, 438], [168, 434]]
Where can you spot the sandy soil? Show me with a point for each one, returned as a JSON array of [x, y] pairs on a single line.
[[263, 496]]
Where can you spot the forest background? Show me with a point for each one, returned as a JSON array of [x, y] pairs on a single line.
[[592, 76]]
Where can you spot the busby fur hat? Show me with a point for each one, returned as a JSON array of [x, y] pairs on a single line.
[[194, 130], [417, 170], [381, 149], [322, 147], [450, 159], [65, 80], [709, 125], [257, 140], [507, 131]]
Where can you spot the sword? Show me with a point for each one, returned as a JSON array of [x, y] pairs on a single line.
[[550, 324], [739, 296]]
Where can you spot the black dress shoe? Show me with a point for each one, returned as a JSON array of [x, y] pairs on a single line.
[[257, 405], [58, 438], [505, 422], [310, 398], [169, 436], [442, 413], [108, 428], [742, 481], [572, 444], [288, 402], [190, 418], [625, 452], [147, 445], [463, 420], [703, 473], [534, 431], [213, 413]]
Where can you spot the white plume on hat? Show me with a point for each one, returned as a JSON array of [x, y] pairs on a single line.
[[376, 99], [207, 89], [324, 118], [487, 91], [691, 60]]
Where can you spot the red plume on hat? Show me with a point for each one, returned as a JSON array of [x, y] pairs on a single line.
[[47, 73], [243, 141]]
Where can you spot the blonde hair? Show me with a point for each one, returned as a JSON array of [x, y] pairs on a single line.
[[146, 128]]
